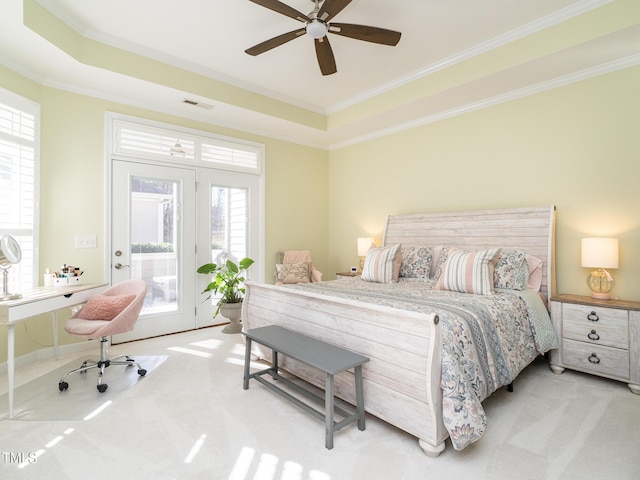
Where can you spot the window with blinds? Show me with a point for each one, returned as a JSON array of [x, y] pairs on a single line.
[[164, 143], [19, 128]]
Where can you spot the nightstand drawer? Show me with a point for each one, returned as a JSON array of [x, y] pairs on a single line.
[[596, 359], [596, 325]]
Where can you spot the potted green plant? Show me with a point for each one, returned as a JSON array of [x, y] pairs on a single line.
[[227, 281]]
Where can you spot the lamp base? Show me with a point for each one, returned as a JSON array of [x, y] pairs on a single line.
[[600, 283]]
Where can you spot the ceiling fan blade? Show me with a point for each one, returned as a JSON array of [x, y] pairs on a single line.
[[284, 9], [366, 33], [275, 42], [330, 8], [326, 60]]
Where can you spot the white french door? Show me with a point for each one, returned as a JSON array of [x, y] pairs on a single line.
[[153, 238], [168, 220], [229, 227]]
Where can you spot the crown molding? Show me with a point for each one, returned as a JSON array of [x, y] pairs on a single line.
[[479, 49], [586, 74]]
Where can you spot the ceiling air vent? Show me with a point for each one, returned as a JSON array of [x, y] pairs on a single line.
[[195, 103]]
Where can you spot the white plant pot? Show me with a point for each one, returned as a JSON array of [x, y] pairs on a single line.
[[232, 312]]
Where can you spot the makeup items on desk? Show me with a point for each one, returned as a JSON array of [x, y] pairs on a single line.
[[67, 275]]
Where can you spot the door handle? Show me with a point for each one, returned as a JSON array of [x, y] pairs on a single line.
[[118, 266]]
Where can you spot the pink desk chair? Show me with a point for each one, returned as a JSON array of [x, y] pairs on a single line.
[[114, 311]]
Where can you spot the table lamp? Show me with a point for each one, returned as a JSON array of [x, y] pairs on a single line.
[[364, 244], [600, 253]]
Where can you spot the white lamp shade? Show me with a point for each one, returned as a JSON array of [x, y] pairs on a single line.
[[600, 252], [364, 244]]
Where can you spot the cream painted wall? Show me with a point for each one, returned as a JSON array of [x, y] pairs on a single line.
[[73, 191], [576, 147]]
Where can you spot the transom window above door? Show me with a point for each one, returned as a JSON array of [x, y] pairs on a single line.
[[186, 147]]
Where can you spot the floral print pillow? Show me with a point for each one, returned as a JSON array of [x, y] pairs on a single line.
[[416, 261], [288, 273], [440, 253], [511, 271]]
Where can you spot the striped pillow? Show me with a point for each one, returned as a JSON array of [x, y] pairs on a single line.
[[382, 264], [469, 272]]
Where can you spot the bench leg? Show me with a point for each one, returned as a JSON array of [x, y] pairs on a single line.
[[274, 362], [359, 397], [328, 412], [247, 363]]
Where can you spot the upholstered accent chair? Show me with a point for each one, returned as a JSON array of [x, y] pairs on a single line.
[[295, 266]]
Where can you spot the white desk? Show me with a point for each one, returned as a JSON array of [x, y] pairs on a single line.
[[35, 302]]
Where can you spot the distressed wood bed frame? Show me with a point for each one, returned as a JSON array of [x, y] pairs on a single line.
[[402, 380]]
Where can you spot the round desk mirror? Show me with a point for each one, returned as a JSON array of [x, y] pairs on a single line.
[[10, 254]]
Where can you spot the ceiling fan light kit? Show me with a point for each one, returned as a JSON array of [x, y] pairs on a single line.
[[317, 26], [316, 29]]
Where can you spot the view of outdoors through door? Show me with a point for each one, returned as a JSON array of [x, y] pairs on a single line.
[[154, 248], [228, 224], [153, 239]]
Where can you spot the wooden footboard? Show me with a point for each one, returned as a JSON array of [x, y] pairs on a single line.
[[402, 379]]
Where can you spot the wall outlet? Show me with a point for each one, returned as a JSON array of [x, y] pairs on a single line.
[[86, 241]]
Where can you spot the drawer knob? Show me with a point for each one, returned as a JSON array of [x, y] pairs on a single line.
[[593, 335], [593, 316], [593, 358]]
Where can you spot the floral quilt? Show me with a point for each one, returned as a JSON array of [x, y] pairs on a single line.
[[487, 340]]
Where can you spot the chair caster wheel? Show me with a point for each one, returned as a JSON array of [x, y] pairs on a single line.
[[142, 372], [63, 386], [102, 387]]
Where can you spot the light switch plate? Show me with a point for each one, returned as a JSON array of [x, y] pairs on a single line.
[[86, 241]]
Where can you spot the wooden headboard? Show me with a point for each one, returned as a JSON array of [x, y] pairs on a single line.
[[529, 229]]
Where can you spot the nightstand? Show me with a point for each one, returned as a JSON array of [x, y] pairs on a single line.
[[600, 337], [347, 274]]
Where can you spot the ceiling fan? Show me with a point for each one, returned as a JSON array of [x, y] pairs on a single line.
[[317, 26]]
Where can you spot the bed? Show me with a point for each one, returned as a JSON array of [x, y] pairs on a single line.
[[436, 353]]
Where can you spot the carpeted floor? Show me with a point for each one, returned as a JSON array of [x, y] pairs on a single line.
[[39, 400], [191, 419]]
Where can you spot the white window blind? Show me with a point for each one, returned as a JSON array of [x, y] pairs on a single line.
[[223, 153], [18, 184], [153, 142], [165, 143]]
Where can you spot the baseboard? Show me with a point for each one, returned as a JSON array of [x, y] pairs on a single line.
[[48, 353]]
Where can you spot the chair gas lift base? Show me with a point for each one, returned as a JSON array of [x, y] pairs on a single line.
[[102, 364]]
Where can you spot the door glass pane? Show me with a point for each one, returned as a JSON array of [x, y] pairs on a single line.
[[154, 249], [228, 224]]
